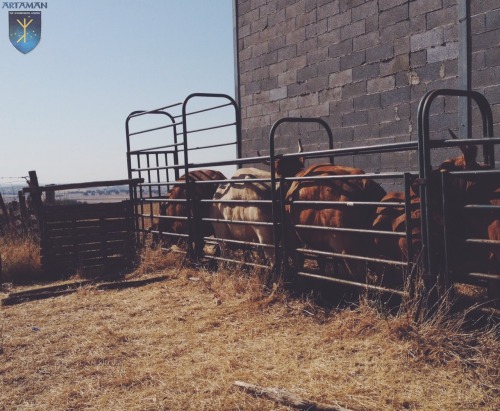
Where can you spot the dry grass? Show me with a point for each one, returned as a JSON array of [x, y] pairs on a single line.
[[180, 344], [20, 257]]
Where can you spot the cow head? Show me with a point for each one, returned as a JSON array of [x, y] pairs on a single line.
[[289, 166], [467, 161]]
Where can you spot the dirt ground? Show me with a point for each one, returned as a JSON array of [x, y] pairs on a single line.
[[180, 344]]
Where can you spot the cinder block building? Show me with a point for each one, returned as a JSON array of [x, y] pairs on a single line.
[[363, 66]]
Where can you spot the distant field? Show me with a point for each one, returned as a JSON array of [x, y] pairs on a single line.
[[98, 198], [78, 196]]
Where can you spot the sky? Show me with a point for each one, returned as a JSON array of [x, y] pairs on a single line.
[[63, 106]]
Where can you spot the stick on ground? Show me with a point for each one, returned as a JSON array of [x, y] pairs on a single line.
[[286, 398]]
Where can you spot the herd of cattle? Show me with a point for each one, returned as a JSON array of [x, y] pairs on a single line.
[[239, 210]]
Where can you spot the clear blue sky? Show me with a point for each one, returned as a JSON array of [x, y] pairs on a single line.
[[63, 105]]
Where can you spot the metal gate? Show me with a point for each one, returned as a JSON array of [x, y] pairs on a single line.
[[160, 164], [91, 239], [168, 141]]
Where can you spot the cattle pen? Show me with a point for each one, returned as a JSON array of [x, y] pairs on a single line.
[[204, 132]]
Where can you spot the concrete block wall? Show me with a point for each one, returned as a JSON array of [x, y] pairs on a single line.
[[361, 65]]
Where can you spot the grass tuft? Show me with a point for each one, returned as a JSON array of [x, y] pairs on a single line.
[[20, 256]]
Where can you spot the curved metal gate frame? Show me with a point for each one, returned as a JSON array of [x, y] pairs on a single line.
[[432, 276], [179, 151]]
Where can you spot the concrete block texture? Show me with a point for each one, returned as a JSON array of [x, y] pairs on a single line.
[[361, 65]]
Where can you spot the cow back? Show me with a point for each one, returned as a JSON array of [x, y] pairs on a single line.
[[245, 191], [180, 209], [328, 215]]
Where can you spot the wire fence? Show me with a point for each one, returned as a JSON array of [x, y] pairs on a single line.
[[10, 186]]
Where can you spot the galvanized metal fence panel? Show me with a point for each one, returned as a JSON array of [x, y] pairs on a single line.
[[161, 165]]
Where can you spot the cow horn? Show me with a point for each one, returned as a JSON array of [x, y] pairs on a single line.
[[301, 149], [266, 162], [469, 152]]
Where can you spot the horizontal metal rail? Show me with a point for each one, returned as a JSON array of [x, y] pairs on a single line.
[[236, 201], [475, 172], [191, 113], [89, 184], [163, 200], [487, 207], [466, 142], [154, 111], [351, 230], [235, 181], [213, 146], [228, 260], [340, 152], [168, 217], [158, 183], [482, 241], [348, 177], [222, 221], [162, 217], [210, 128], [215, 240], [147, 151], [349, 256], [135, 133], [484, 276], [168, 233], [173, 167], [346, 203], [353, 283]]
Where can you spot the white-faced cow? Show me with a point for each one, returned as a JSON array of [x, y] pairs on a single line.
[[252, 192]]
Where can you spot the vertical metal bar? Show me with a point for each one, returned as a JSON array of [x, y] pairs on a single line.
[[274, 208], [465, 66], [409, 226], [166, 170], [237, 113], [283, 255], [141, 196], [425, 168], [189, 195], [424, 155], [448, 248], [236, 49], [148, 165], [157, 162], [176, 151], [189, 188]]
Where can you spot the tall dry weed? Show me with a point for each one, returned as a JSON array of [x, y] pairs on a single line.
[[20, 257], [153, 259]]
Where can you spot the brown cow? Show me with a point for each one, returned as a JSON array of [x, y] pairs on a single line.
[[494, 235], [337, 216], [462, 224], [180, 209]]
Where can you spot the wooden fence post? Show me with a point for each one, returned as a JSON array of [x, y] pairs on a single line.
[[4, 211]]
